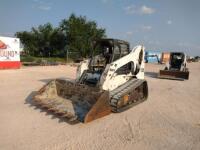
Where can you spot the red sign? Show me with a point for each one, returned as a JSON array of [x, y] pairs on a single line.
[[2, 45], [9, 53]]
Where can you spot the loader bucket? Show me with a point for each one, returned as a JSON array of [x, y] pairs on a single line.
[[174, 75], [73, 101]]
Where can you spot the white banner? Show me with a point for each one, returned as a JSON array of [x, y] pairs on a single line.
[[9, 49]]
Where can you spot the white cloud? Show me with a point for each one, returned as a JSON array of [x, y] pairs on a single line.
[[129, 33], [130, 9], [154, 42], [42, 5], [146, 28], [45, 8], [9, 34], [146, 10], [169, 22], [105, 1], [143, 10]]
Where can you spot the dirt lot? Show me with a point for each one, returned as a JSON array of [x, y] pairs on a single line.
[[169, 119]]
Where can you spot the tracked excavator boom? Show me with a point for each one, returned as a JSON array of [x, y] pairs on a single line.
[[112, 80]]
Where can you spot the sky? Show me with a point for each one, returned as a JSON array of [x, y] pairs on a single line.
[[163, 25]]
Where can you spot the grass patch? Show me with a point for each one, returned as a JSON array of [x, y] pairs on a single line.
[[43, 59]]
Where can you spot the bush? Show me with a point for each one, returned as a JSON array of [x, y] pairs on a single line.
[[42, 59], [27, 59]]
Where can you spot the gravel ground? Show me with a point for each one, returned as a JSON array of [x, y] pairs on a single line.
[[169, 119]]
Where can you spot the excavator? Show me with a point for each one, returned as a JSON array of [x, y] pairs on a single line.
[[176, 68], [111, 80]]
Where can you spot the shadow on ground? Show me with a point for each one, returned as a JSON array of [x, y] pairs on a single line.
[[151, 74], [63, 78], [29, 101]]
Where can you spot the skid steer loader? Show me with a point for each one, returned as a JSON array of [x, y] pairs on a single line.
[[111, 80], [176, 68]]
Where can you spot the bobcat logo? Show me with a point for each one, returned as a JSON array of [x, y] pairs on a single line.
[[3, 45]]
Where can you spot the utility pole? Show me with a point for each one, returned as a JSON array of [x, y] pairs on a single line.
[[67, 55]]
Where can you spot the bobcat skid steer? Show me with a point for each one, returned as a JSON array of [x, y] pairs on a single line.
[[176, 68], [112, 80]]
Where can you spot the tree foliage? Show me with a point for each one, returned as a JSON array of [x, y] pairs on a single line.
[[74, 34], [80, 33], [43, 41]]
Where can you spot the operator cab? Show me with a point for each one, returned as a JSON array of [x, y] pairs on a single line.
[[109, 50], [176, 60], [105, 51]]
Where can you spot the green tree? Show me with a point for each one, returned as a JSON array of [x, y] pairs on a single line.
[[27, 39], [80, 33], [74, 34], [43, 41]]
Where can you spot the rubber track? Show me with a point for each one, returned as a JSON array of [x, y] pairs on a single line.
[[117, 93]]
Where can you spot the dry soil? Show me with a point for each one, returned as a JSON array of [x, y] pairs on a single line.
[[169, 119]]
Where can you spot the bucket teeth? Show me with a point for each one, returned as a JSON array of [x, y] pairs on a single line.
[[74, 118], [59, 112], [66, 115], [44, 106], [68, 100], [51, 109], [37, 101]]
